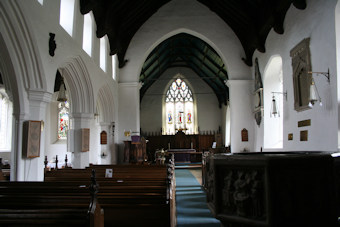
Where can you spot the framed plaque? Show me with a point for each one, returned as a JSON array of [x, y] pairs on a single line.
[[85, 139], [31, 139], [244, 135], [103, 137]]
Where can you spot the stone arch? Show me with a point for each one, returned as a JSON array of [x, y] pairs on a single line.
[[272, 82], [224, 42], [337, 35], [78, 83], [17, 34], [105, 104]]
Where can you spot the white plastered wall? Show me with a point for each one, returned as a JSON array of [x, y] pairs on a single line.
[[209, 116], [193, 18], [317, 21], [35, 72]]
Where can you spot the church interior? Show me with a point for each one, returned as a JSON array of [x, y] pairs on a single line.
[[124, 103]]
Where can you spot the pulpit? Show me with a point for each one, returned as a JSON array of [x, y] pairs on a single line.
[[135, 151]]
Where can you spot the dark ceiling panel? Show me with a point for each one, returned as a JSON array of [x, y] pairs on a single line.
[[184, 50], [251, 20]]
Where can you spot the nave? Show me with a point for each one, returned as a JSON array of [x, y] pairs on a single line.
[[191, 206]]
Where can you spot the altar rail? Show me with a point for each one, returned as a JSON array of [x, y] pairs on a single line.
[[180, 140]]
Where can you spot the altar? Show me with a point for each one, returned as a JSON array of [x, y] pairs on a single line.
[[182, 155], [186, 155]]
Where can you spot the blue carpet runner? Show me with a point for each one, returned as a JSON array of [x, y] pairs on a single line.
[[191, 205]]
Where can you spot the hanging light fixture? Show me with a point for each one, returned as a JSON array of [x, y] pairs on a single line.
[[313, 90], [62, 92], [274, 111], [314, 95]]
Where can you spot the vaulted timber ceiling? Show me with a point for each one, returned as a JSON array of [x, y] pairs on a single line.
[[251, 20], [184, 50]]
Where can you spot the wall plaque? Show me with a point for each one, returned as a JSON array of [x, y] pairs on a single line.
[[85, 139], [103, 137], [304, 123], [290, 136], [244, 135], [258, 95], [304, 135], [301, 64], [31, 139]]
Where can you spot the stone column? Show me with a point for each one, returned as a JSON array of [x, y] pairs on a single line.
[[17, 168], [78, 121], [241, 116], [32, 169], [128, 113]]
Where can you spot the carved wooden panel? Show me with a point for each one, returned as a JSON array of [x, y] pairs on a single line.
[[242, 192]]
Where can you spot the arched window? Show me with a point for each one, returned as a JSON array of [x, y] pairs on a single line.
[[87, 34], [273, 124], [67, 15], [114, 66], [103, 50], [63, 120], [179, 106], [6, 109]]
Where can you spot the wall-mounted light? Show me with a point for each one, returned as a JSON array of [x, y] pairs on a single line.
[[313, 90], [274, 110], [113, 128]]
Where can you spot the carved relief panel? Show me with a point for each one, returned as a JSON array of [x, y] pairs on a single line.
[[301, 64], [243, 193]]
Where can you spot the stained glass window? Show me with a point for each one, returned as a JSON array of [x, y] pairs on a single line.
[[179, 108], [63, 120]]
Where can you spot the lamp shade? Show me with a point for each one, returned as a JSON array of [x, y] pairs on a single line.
[[313, 94], [274, 111]]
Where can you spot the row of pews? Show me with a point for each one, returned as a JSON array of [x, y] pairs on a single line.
[[110, 195], [50, 204]]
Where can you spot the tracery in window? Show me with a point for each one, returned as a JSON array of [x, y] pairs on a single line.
[[63, 120], [179, 105]]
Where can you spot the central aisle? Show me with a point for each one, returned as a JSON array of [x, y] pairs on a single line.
[[191, 206]]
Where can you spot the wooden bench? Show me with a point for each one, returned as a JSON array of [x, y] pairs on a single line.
[[134, 196], [49, 204]]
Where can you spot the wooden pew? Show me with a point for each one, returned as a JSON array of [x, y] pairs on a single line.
[[134, 196], [49, 204]]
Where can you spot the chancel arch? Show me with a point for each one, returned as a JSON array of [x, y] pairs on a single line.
[[183, 65]]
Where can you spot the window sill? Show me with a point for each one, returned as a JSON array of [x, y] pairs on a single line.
[[60, 142]]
